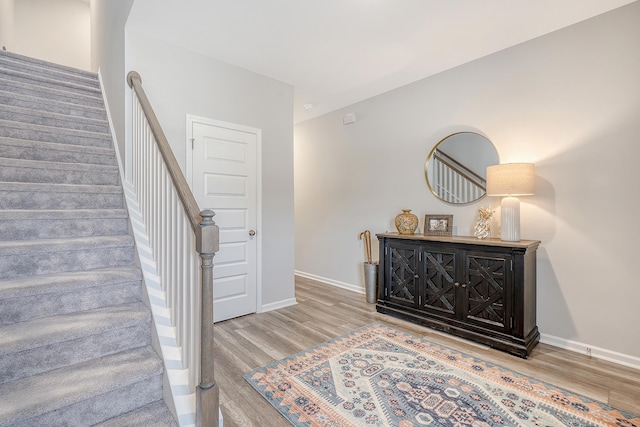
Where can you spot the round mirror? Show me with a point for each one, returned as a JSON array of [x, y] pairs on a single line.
[[456, 167]]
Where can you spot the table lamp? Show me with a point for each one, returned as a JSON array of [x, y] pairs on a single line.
[[510, 180]]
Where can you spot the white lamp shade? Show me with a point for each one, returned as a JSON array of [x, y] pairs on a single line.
[[511, 179]]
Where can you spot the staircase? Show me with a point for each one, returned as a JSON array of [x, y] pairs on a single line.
[[75, 336]]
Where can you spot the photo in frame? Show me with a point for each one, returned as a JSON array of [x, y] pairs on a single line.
[[438, 225]]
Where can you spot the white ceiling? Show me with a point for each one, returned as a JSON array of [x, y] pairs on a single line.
[[338, 52]]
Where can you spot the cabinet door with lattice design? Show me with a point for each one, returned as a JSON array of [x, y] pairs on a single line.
[[488, 291], [439, 282], [403, 280]]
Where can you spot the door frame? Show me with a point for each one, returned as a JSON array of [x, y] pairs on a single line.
[[190, 120]]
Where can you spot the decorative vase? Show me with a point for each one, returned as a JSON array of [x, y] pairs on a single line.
[[482, 230], [406, 222]]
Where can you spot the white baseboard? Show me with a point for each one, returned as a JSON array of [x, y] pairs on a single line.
[[590, 350], [577, 347], [343, 285], [278, 304]]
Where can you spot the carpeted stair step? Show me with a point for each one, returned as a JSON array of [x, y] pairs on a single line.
[[46, 70], [155, 414], [45, 81], [42, 345], [63, 293], [84, 394], [11, 129], [12, 148], [34, 257], [38, 117], [59, 224], [48, 93], [51, 106], [18, 170], [16, 57], [18, 195]]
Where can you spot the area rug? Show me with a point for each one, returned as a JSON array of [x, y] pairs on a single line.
[[379, 376]]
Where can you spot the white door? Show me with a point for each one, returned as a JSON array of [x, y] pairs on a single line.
[[224, 172]]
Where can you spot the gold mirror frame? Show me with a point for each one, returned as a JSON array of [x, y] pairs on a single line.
[[455, 169]]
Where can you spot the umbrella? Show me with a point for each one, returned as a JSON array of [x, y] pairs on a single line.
[[366, 235]]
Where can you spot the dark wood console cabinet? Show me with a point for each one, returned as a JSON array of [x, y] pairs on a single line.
[[482, 290]]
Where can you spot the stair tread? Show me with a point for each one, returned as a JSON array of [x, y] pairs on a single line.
[[52, 165], [57, 73], [58, 188], [51, 105], [53, 214], [58, 146], [37, 116], [32, 396], [58, 282], [54, 129], [45, 80], [44, 331], [48, 94], [69, 244], [46, 64], [14, 148]]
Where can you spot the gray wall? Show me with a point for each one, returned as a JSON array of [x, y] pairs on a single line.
[[568, 102], [108, 19], [179, 82]]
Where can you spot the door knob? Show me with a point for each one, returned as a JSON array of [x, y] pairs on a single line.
[[252, 233]]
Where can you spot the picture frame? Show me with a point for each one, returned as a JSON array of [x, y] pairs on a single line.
[[438, 225]]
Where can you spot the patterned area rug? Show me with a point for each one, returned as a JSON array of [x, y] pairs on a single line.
[[379, 376]]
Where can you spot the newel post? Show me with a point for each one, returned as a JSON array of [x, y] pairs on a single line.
[[207, 393]]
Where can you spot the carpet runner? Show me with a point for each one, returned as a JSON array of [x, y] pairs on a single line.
[[380, 376], [75, 334]]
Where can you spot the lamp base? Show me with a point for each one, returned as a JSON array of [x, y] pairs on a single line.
[[510, 219]]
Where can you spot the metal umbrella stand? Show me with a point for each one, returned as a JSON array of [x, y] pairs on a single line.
[[370, 269]]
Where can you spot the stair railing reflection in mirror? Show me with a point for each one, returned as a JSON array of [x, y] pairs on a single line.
[[455, 183]]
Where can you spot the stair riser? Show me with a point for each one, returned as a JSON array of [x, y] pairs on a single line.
[[27, 229], [49, 94], [46, 83], [59, 200], [57, 176], [24, 101], [44, 152], [54, 304], [100, 408], [36, 117], [39, 262], [62, 354], [48, 72], [50, 135]]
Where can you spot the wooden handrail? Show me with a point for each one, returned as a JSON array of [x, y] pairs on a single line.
[[186, 196], [207, 244]]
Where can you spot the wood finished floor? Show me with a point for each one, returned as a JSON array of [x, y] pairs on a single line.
[[324, 312]]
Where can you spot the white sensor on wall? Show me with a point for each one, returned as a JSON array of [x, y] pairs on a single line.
[[349, 118]]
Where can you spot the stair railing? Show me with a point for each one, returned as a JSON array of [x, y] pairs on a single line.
[[169, 209], [454, 182]]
